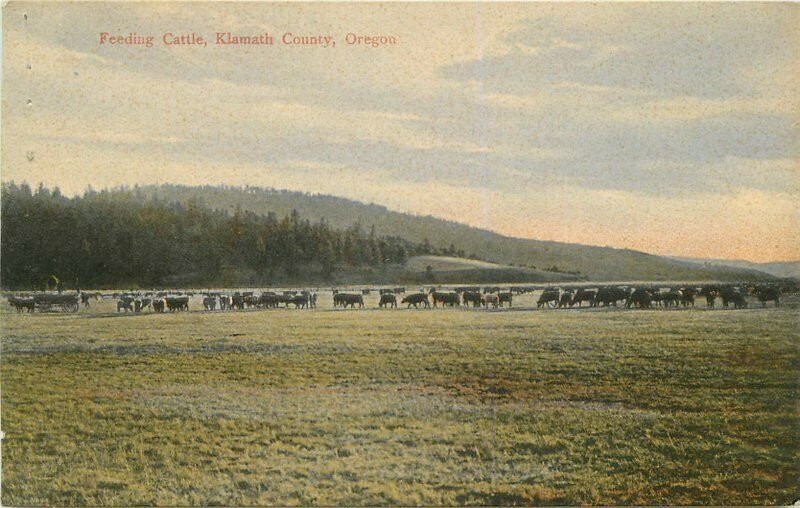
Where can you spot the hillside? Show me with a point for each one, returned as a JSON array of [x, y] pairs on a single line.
[[595, 263], [785, 269], [454, 270]]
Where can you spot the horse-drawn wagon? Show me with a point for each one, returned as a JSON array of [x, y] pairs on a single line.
[[48, 302]]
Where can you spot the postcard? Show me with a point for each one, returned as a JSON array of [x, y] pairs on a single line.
[[399, 254]]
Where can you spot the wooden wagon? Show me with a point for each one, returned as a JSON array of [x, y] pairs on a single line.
[[48, 302]]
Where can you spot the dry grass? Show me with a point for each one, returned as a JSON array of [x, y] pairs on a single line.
[[401, 407]]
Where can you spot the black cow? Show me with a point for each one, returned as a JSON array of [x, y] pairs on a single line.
[[505, 298], [177, 303], [710, 292], [687, 296], [449, 299], [611, 296], [549, 297], [159, 304], [472, 297], [672, 298], [125, 303], [416, 299], [768, 294], [299, 301], [388, 300], [237, 301], [583, 295], [640, 299], [345, 299]]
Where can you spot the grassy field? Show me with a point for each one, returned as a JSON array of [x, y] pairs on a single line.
[[372, 407]]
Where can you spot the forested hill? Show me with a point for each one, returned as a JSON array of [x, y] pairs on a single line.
[[595, 263]]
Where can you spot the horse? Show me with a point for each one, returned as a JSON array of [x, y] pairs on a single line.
[[22, 304]]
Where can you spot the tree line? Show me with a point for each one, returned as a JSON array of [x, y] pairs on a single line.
[[119, 238]]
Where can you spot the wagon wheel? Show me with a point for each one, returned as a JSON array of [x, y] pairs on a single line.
[[552, 304]]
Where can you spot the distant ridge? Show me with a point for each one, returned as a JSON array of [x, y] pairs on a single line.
[[592, 263], [783, 269]]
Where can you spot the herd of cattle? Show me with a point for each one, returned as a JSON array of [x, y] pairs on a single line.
[[489, 297]]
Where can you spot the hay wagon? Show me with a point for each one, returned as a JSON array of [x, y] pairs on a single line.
[[51, 302]]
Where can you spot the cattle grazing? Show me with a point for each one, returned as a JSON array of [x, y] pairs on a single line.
[[727, 293], [549, 298], [385, 291], [416, 299], [768, 294], [346, 299], [711, 293], [490, 299], [284, 299], [225, 302], [611, 296], [125, 303], [388, 300], [177, 303], [448, 299], [237, 301], [209, 303], [583, 295], [399, 291], [672, 298], [565, 299], [299, 301], [141, 303], [731, 295], [159, 304], [640, 298], [687, 296], [470, 289], [268, 300], [656, 297], [506, 297], [472, 297]]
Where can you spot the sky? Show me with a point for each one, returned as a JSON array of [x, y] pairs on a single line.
[[668, 128]]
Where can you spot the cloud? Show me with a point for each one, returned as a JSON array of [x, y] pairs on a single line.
[[492, 112]]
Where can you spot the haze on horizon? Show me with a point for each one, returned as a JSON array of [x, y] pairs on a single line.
[[667, 128]]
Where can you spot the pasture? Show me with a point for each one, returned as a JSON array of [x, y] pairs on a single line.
[[451, 406]]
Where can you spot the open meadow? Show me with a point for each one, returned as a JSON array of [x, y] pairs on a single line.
[[403, 407]]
